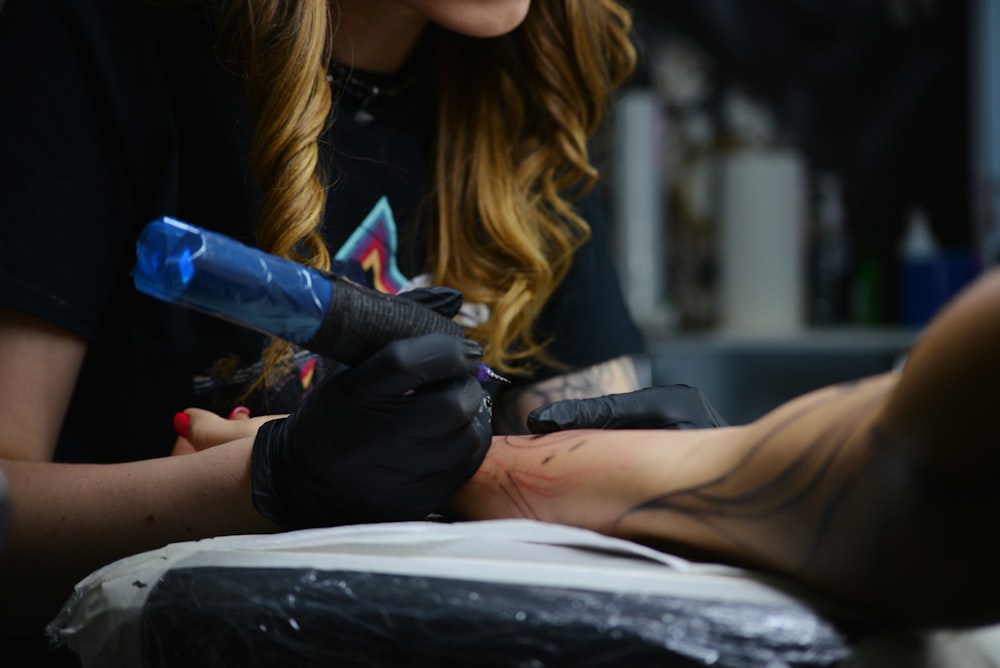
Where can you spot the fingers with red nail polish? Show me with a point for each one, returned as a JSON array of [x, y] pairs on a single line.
[[182, 424], [239, 413]]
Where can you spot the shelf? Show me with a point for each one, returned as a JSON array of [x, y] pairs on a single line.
[[744, 377], [839, 340]]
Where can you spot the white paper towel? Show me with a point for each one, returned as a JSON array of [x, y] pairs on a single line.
[[762, 243]]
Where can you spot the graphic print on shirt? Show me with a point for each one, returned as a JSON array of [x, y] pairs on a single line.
[[369, 258], [373, 245]]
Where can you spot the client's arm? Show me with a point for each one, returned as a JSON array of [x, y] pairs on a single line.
[[880, 493]]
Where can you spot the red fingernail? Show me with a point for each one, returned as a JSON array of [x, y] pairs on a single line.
[[182, 424], [239, 410]]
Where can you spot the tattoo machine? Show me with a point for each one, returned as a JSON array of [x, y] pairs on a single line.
[[319, 311]]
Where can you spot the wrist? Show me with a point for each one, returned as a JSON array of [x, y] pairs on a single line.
[[265, 468], [290, 492], [547, 478]]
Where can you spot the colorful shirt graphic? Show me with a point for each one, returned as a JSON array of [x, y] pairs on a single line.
[[368, 257], [373, 246]]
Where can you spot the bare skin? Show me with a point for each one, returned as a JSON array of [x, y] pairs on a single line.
[[818, 491], [378, 35], [880, 493]]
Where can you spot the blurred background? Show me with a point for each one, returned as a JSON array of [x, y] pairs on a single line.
[[796, 186]]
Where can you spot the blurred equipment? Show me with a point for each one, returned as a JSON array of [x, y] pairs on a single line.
[[762, 262]]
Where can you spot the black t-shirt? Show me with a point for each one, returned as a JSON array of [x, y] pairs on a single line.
[[115, 113]]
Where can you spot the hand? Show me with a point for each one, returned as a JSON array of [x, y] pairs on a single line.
[[389, 440], [665, 407], [199, 429]]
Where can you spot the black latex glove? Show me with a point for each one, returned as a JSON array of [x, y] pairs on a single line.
[[665, 407], [359, 321], [389, 440], [443, 301]]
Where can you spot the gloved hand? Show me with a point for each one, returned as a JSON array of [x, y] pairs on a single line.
[[389, 440], [665, 407]]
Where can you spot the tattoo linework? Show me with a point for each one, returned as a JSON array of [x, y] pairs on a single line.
[[787, 489], [519, 481]]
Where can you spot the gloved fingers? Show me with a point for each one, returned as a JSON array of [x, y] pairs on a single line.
[[453, 450], [437, 409], [677, 406], [443, 301], [592, 413], [408, 364], [714, 419], [438, 484], [460, 449], [665, 407]]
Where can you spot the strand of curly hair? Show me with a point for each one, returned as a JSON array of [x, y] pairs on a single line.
[[514, 121], [282, 50], [512, 158]]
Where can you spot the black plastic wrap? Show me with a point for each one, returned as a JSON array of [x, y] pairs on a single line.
[[498, 594], [211, 616]]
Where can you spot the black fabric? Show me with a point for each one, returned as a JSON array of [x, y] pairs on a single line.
[[116, 112]]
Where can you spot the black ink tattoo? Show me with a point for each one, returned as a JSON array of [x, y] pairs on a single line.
[[713, 505]]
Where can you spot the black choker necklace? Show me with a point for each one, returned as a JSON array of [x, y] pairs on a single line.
[[367, 92]]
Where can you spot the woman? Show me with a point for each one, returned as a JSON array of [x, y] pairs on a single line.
[[398, 142]]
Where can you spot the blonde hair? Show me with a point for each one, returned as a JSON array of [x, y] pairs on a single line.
[[515, 115]]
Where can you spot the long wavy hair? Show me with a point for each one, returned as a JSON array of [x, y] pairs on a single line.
[[515, 115]]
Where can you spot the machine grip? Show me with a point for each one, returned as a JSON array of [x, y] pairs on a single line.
[[360, 321]]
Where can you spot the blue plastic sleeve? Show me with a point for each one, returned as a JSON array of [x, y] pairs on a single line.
[[221, 277]]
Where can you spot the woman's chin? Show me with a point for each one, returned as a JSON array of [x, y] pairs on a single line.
[[475, 18]]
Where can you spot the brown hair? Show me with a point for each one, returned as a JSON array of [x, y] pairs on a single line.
[[518, 110], [519, 113]]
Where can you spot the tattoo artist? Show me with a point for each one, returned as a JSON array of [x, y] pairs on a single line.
[[401, 142]]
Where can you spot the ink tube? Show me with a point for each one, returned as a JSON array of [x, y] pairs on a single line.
[[322, 312]]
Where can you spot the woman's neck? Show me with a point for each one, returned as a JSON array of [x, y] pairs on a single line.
[[376, 35]]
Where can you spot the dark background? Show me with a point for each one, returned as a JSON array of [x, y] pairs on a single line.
[[885, 104]]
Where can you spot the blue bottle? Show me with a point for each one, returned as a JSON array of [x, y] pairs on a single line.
[[923, 277]]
